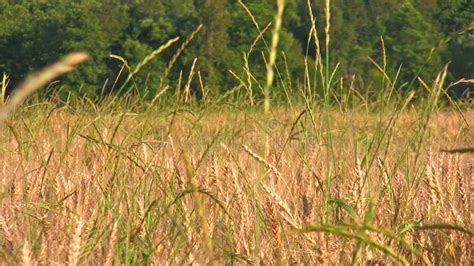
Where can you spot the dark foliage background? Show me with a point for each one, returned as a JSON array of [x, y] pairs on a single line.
[[420, 35]]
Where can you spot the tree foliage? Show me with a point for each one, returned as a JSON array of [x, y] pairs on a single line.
[[420, 35]]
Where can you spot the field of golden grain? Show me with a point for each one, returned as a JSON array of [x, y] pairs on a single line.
[[327, 176], [222, 185]]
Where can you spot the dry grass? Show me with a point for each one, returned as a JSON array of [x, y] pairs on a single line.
[[344, 180], [84, 186]]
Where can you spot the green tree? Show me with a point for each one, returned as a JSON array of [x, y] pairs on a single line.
[[213, 43], [243, 33], [153, 23], [352, 34], [454, 17], [36, 33], [409, 40], [85, 30]]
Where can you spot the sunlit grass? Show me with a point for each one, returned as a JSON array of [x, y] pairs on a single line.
[[143, 173], [326, 176]]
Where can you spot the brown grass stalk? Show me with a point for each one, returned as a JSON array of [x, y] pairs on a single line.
[[40, 79], [109, 258], [27, 258], [74, 253]]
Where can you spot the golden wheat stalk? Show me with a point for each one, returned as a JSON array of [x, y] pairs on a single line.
[[125, 64], [109, 258], [27, 258], [327, 29], [257, 157], [5, 81], [75, 245], [150, 58], [257, 39], [314, 32], [273, 54], [255, 23], [274, 228], [38, 80], [173, 62], [187, 89]]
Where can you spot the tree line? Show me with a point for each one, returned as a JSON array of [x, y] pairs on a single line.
[[419, 37]]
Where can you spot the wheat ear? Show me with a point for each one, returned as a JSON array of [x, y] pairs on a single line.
[[40, 79]]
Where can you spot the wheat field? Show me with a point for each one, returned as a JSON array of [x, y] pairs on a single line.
[[326, 177], [200, 186]]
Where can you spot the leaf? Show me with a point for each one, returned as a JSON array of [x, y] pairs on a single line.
[[340, 203]]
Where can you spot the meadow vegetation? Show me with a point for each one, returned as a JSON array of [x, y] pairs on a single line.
[[320, 173]]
